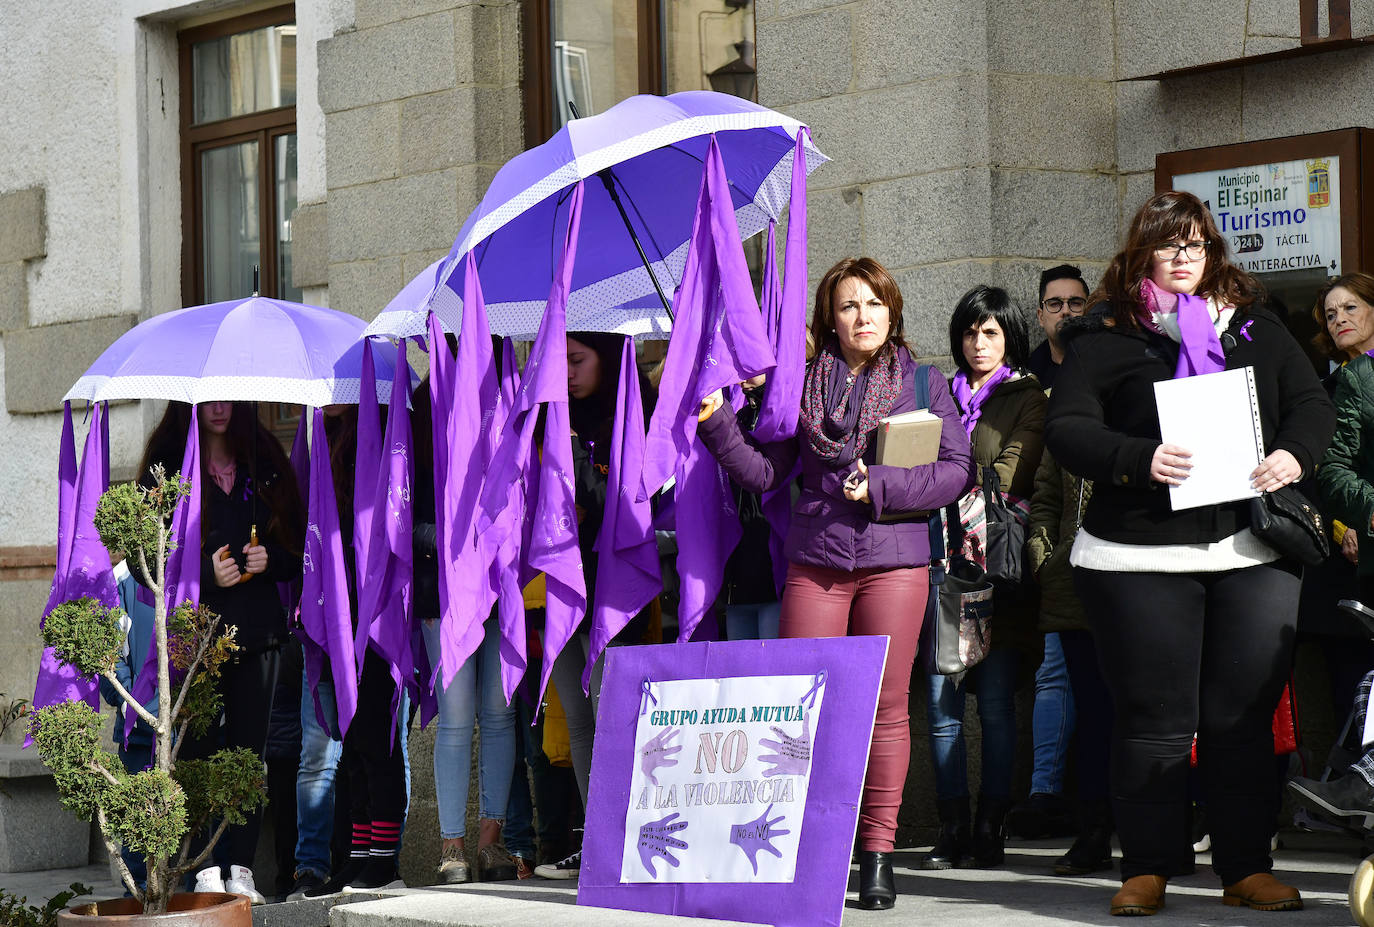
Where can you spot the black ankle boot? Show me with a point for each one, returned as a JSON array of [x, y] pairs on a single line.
[[1092, 850], [954, 843], [876, 889], [989, 838]]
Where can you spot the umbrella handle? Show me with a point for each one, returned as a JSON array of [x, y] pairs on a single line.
[[252, 542]]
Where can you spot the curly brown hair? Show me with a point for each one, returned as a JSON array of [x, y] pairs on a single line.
[[1166, 217], [1357, 282]]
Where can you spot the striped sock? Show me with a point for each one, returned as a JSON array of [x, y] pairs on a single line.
[[386, 836], [362, 841]]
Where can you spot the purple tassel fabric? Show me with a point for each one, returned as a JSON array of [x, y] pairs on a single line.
[[326, 630], [628, 576], [553, 548]]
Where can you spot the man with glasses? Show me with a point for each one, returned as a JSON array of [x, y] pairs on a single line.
[[1063, 293], [1046, 813]]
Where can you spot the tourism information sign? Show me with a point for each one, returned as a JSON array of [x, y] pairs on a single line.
[[726, 778], [1277, 217]]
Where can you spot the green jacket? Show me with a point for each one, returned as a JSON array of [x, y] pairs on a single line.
[[1055, 517], [1345, 478], [1009, 437]]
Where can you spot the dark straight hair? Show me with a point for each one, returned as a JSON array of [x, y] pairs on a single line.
[[976, 307]]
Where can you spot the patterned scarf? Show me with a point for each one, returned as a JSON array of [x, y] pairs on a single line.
[[840, 411]]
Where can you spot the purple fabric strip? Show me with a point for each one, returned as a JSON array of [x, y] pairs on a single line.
[[326, 630], [86, 571], [710, 348], [1199, 344], [386, 586], [366, 471], [628, 576], [290, 592], [553, 514], [469, 437]]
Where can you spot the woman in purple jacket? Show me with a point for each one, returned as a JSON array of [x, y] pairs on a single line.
[[848, 572]]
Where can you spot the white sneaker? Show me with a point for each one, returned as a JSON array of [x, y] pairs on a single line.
[[241, 883], [209, 880]]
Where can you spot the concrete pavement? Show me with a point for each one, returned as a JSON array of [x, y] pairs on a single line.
[[1023, 894]]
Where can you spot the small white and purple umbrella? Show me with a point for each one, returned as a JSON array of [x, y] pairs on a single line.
[[251, 350]]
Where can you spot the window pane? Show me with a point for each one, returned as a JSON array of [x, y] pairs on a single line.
[[595, 55], [230, 215], [709, 45], [284, 180], [244, 73]]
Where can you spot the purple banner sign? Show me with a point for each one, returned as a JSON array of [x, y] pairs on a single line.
[[699, 802]]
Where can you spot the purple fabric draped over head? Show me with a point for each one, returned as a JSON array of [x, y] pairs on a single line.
[[326, 630], [366, 470], [718, 340], [181, 579], [508, 577], [628, 576], [290, 592], [710, 348], [553, 515], [470, 398], [784, 315], [384, 596], [83, 564]]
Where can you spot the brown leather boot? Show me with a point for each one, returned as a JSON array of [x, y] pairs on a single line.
[[1262, 892], [1139, 896]]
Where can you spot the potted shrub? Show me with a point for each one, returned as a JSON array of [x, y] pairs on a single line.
[[157, 811]]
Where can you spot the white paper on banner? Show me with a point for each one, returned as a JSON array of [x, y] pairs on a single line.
[[720, 779]]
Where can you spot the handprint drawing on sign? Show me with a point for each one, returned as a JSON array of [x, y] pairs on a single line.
[[792, 755], [659, 752], [656, 839], [757, 835]]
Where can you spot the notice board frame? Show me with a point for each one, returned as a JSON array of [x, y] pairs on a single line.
[[1355, 148]]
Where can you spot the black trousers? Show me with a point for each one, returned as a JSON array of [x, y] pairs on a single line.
[[246, 683], [1092, 702], [372, 758], [1185, 652]]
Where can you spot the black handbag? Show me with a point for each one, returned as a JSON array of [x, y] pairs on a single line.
[[1287, 521], [957, 631], [1006, 551]]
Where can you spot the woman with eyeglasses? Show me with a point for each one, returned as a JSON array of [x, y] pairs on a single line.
[[1192, 614]]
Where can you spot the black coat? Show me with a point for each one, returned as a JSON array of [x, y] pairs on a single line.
[[1103, 424]]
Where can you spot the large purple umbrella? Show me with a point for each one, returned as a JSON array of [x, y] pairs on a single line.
[[650, 151], [255, 349]]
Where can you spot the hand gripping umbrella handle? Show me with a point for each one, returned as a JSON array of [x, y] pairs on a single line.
[[252, 542]]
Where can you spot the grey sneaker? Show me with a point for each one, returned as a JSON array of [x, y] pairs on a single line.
[[453, 867], [1350, 796]]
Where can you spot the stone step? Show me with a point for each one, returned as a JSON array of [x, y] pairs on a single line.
[[500, 904]]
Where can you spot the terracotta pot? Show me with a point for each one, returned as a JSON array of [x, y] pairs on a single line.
[[189, 909]]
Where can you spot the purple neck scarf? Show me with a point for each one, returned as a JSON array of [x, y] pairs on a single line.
[[1199, 347], [971, 403]]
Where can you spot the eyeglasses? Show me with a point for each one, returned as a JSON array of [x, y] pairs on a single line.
[[1170, 250], [1057, 305]]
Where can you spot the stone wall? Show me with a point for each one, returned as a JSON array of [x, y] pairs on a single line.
[[971, 143], [422, 104]]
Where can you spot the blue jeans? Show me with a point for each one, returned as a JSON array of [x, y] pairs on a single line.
[[315, 782], [476, 688], [518, 830], [755, 622], [135, 759], [996, 681], [1053, 719]]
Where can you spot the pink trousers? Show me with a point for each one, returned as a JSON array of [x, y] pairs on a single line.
[[819, 602]]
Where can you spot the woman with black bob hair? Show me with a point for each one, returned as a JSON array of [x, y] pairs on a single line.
[[1002, 410], [252, 536], [1193, 615]]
